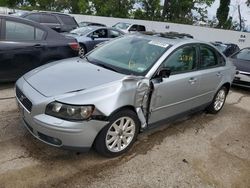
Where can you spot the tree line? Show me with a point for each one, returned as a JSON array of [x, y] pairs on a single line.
[[177, 11]]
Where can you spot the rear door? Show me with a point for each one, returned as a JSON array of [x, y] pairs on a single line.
[[179, 92], [20, 52], [212, 71]]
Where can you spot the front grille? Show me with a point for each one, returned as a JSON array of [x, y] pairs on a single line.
[[23, 99]]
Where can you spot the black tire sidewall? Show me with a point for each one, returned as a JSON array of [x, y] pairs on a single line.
[[100, 143], [211, 108]]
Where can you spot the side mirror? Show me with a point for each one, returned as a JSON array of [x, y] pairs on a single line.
[[163, 73]]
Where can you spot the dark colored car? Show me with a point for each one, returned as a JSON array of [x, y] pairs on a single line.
[[90, 37], [241, 60], [85, 24], [25, 45], [58, 21], [226, 48]]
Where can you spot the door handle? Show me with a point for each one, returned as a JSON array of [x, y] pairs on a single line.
[[192, 80], [38, 46]]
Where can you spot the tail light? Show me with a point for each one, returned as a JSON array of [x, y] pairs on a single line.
[[74, 46]]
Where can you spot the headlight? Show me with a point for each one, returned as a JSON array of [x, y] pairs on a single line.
[[69, 112]]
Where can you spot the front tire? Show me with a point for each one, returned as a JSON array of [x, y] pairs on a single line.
[[118, 135], [218, 101]]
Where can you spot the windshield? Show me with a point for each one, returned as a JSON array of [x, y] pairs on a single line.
[[122, 25], [129, 55], [83, 24], [244, 54], [81, 30]]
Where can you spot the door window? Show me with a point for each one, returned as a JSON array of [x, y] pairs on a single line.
[[67, 20], [101, 33], [141, 28], [133, 28], [182, 60], [19, 31], [208, 57], [33, 17], [39, 34], [48, 19]]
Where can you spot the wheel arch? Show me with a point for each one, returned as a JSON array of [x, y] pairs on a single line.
[[84, 46], [227, 85], [127, 107]]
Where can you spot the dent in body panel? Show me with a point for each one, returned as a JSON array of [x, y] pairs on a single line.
[[141, 98]]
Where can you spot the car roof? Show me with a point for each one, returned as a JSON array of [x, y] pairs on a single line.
[[51, 34], [49, 12], [23, 20], [171, 40]]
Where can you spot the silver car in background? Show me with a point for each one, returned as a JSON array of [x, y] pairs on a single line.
[[122, 87]]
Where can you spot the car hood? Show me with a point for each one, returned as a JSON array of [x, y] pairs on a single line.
[[241, 65], [69, 75]]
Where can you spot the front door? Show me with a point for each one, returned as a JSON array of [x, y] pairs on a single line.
[[178, 93]]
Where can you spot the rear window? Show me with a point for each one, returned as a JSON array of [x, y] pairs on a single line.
[[46, 18], [67, 20]]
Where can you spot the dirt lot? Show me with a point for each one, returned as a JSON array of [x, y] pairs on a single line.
[[199, 151]]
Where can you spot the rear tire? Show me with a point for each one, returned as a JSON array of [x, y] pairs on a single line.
[[82, 50], [118, 135], [218, 101]]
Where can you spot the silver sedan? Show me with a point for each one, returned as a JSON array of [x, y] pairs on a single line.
[[121, 88]]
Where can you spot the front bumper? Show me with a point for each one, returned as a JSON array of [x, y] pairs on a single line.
[[242, 79], [53, 131]]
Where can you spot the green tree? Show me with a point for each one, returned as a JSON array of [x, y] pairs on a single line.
[[222, 14], [181, 11], [114, 8], [150, 10]]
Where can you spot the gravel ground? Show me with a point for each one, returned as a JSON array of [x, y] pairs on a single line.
[[198, 151]]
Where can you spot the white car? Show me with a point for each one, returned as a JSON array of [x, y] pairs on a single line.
[[129, 28]]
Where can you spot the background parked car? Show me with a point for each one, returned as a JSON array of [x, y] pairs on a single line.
[[241, 60], [89, 37], [226, 48], [84, 24], [128, 27], [58, 21], [25, 45]]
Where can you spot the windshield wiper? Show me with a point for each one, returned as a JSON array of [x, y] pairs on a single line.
[[106, 67]]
